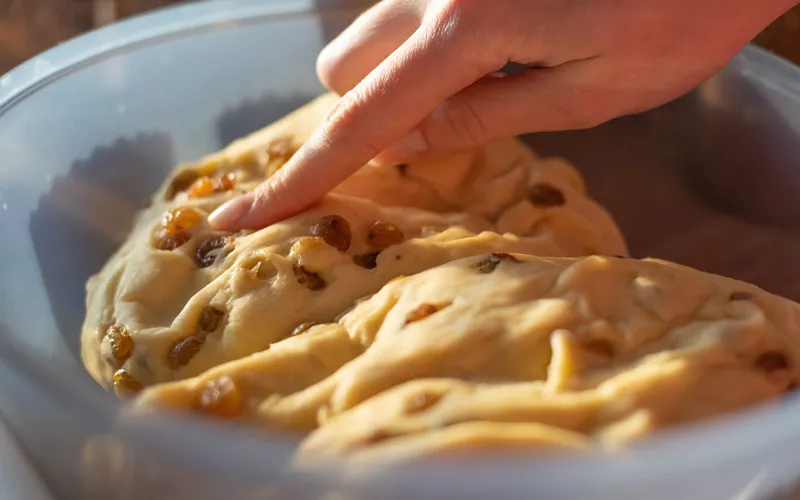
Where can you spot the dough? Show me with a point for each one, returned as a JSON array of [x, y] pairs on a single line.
[[180, 298], [511, 352]]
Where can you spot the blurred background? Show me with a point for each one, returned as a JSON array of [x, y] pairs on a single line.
[[28, 27]]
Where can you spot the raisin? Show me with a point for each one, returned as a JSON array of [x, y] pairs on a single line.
[[311, 280], [125, 385], [203, 186], [772, 361], [491, 261], [367, 260], [740, 296], [335, 230], [384, 234], [205, 256], [121, 343], [179, 220], [210, 319], [377, 436], [302, 328], [282, 147], [307, 244], [172, 242], [599, 347], [423, 311], [221, 398], [544, 195], [183, 351], [421, 402], [206, 186], [181, 182], [279, 152], [225, 182]]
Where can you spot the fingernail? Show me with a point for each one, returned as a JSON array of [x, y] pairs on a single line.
[[413, 144], [231, 212]]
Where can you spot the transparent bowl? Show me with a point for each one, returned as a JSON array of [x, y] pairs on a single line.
[[90, 128]]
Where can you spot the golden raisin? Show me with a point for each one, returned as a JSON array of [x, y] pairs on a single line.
[[367, 260], [544, 195], [171, 242], [282, 147], [180, 219], [307, 244], [772, 361], [120, 341], [490, 262], [311, 280], [210, 319], [423, 311], [203, 186], [279, 152], [183, 351], [740, 296], [205, 254], [225, 182], [181, 182], [302, 328], [384, 234], [221, 398], [421, 402], [125, 385], [335, 230], [206, 186]]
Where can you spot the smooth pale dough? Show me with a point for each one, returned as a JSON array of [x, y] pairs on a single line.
[[467, 204], [524, 353]]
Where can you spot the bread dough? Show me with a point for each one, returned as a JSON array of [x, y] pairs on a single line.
[[512, 353], [167, 308], [448, 306]]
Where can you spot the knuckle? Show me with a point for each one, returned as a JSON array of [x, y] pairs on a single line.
[[463, 122], [344, 123], [459, 29], [344, 112]]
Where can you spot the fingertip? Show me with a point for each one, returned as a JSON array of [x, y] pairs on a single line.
[[327, 62], [231, 213]]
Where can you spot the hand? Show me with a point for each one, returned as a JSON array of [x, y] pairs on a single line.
[[418, 79]]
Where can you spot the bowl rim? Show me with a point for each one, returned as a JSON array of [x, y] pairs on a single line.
[[704, 446]]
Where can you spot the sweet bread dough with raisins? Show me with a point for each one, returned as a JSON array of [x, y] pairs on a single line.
[[503, 182], [512, 352], [179, 298]]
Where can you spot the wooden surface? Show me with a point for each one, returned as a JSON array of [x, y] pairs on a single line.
[[28, 27]]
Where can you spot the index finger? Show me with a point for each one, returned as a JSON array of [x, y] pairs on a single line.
[[432, 65]]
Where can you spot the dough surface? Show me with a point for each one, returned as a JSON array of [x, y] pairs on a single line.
[[511, 352], [476, 302], [180, 298]]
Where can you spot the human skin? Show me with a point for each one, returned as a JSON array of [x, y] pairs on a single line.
[[419, 79]]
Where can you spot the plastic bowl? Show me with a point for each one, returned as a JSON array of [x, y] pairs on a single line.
[[90, 128]]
